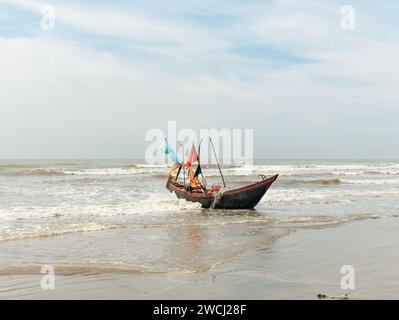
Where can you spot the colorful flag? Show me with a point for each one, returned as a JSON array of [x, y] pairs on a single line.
[[168, 150], [192, 157], [173, 169], [198, 171]]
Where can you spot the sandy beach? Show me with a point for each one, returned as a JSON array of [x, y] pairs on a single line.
[[295, 263]]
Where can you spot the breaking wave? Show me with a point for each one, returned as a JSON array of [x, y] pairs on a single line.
[[317, 169], [62, 230], [139, 207], [16, 169], [319, 196], [133, 170]]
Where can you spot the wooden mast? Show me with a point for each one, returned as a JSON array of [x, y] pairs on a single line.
[[184, 172], [221, 174]]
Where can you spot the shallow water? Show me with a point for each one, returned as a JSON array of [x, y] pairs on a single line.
[[50, 212]]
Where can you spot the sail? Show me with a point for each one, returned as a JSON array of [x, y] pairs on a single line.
[[169, 151], [192, 157], [198, 171]]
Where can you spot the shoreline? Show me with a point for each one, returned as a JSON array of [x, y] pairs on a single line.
[[300, 265]]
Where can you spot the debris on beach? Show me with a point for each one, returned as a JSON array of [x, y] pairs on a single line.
[[326, 297]]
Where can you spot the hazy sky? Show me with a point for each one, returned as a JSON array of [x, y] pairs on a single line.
[[111, 70]]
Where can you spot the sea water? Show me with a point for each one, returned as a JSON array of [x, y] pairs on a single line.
[[117, 216]]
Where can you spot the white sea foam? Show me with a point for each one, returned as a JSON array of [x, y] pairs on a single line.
[[112, 171], [116, 171], [139, 207], [311, 196], [55, 231], [372, 181], [329, 169], [245, 170], [152, 166]]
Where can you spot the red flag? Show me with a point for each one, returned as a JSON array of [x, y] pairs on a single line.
[[192, 157]]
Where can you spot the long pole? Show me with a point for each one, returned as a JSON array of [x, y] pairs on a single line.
[[184, 172], [221, 174], [199, 156]]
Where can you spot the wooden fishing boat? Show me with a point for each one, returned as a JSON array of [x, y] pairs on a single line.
[[195, 191], [242, 198]]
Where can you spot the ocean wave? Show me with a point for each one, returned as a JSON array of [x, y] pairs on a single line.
[[319, 169], [34, 172], [31, 169], [337, 181], [16, 165], [323, 182], [166, 202], [139, 207], [63, 230], [373, 181], [314, 181], [117, 171], [313, 221], [46, 231], [275, 196], [151, 165]]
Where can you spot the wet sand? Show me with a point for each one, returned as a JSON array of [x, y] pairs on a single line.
[[299, 265]]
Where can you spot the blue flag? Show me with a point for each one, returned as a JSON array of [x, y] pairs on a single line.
[[168, 150]]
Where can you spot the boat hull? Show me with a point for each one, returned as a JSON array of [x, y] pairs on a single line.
[[242, 198]]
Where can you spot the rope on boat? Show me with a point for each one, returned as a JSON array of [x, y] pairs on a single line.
[[217, 198]]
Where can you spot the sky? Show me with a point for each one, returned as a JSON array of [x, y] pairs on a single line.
[[109, 71]]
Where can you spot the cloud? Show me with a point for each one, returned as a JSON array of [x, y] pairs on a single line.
[[307, 88], [152, 32]]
